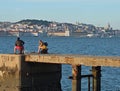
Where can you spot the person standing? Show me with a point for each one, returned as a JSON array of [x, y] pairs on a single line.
[[19, 46]]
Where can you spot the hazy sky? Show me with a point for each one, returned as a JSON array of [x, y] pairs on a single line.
[[96, 12]]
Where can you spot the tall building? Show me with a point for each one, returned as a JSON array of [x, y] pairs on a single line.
[[109, 27]]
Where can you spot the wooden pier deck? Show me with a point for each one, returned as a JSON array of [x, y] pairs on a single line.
[[28, 71], [86, 60]]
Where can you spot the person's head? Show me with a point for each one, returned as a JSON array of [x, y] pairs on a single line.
[[40, 41]]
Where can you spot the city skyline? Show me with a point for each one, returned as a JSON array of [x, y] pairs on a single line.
[[98, 13]]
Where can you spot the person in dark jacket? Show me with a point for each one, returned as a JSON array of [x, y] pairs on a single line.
[[19, 46]]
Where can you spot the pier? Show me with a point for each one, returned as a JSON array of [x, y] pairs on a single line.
[[42, 72]]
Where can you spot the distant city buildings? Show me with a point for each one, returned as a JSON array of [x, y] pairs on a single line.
[[56, 29]]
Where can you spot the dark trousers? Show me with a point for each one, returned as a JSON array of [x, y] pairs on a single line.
[[44, 51]]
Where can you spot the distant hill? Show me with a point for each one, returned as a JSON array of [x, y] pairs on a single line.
[[34, 22], [72, 27]]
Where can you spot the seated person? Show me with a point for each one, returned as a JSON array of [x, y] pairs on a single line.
[[19, 46], [42, 48]]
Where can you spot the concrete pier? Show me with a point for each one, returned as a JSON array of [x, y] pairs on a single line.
[[18, 75], [42, 72]]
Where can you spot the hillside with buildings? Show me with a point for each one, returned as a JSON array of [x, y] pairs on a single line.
[[51, 28]]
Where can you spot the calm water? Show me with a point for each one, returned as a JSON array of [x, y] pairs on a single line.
[[84, 46]]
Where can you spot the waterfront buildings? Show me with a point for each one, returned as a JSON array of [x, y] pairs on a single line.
[[55, 29]]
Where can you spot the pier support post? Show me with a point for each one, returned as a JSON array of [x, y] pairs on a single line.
[[76, 81], [96, 72]]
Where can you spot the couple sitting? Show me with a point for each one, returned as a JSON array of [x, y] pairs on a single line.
[[19, 46]]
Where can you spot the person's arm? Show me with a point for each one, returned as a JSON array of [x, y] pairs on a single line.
[[16, 43], [38, 49], [23, 42]]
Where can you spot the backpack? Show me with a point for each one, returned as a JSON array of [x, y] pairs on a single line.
[[45, 43]]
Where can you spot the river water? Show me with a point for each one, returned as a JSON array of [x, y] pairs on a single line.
[[75, 45]]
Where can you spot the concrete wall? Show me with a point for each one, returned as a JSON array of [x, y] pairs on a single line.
[[18, 75], [10, 72]]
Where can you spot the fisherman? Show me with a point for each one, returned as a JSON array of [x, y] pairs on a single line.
[[19, 46], [42, 48]]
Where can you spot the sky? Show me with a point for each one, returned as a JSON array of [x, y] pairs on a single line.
[[96, 12]]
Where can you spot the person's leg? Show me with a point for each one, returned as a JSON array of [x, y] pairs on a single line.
[[23, 50], [44, 51], [20, 51], [14, 49]]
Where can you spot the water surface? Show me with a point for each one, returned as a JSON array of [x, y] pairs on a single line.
[[71, 45]]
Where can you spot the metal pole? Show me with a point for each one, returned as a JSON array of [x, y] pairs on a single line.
[[96, 71], [76, 81], [88, 83]]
